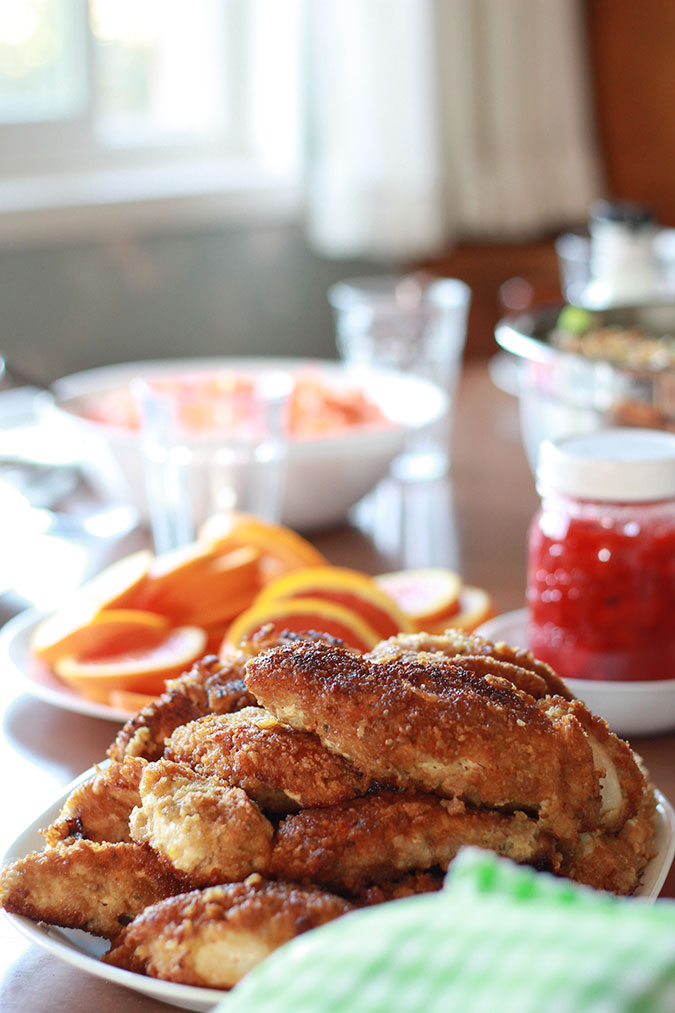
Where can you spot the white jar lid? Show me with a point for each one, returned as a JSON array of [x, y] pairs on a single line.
[[611, 465]]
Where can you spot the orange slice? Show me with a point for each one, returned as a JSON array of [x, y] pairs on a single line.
[[282, 548], [143, 670], [425, 596], [86, 631], [207, 587], [115, 587], [339, 584], [476, 607], [301, 615]]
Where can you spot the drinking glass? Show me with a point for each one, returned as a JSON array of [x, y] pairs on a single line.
[[411, 324], [216, 451]]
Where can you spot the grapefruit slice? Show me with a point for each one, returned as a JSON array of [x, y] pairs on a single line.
[[476, 607], [142, 670], [302, 615], [352, 588], [425, 595]]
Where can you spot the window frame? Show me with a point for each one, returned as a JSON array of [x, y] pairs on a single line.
[[57, 182]]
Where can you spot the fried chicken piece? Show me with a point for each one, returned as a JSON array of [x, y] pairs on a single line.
[[623, 783], [99, 809], [207, 831], [86, 885], [279, 767], [379, 838], [430, 723], [615, 862], [456, 644], [213, 937], [211, 686], [399, 889]]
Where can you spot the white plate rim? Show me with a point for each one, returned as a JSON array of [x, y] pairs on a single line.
[[16, 661], [62, 943], [518, 617]]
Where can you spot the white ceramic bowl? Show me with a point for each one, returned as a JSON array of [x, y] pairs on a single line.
[[629, 708], [324, 476]]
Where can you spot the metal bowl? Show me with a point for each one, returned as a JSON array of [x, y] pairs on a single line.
[[563, 393]]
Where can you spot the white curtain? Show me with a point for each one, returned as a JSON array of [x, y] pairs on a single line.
[[433, 121]]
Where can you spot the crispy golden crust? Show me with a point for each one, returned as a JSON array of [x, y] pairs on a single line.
[[211, 686], [623, 784], [213, 937], [379, 838], [455, 644], [615, 862], [280, 767], [99, 809], [430, 723], [408, 886], [207, 831], [84, 885]]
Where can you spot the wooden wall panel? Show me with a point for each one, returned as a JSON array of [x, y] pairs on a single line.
[[632, 57]]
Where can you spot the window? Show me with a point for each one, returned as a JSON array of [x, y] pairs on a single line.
[[123, 101]]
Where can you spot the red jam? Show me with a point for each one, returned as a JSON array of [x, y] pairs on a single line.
[[601, 589]]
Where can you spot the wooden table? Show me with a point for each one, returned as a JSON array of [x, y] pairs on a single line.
[[475, 522]]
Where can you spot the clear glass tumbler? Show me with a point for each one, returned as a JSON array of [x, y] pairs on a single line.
[[411, 324], [212, 448]]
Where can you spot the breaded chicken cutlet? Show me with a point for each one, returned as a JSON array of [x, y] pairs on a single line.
[[429, 723], [99, 888], [213, 937], [368, 841], [211, 686], [296, 766], [200, 827], [281, 768]]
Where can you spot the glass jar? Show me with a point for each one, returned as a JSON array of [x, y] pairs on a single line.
[[601, 556]]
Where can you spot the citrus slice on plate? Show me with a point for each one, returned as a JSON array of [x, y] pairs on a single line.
[[475, 607], [81, 629], [303, 615], [424, 595], [141, 670], [339, 584], [282, 548], [205, 587]]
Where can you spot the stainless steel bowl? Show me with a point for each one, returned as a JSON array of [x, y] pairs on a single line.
[[562, 393]]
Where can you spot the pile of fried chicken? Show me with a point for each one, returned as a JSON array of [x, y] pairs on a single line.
[[296, 779]]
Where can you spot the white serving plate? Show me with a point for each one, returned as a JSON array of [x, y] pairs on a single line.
[[629, 708], [17, 662], [83, 951], [324, 476]]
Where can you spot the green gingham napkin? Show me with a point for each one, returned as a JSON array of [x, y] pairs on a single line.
[[499, 938]]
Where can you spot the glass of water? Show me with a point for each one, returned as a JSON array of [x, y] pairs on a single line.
[[411, 324], [211, 447]]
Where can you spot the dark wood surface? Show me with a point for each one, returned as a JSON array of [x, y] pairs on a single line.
[[631, 56], [476, 522]]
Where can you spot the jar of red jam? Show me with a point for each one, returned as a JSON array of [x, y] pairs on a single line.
[[601, 556]]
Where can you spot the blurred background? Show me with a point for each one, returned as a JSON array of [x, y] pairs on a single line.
[[189, 178]]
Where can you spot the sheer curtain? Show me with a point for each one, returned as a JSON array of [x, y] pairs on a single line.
[[431, 121]]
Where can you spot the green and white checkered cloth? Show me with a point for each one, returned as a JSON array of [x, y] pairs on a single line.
[[499, 938]]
